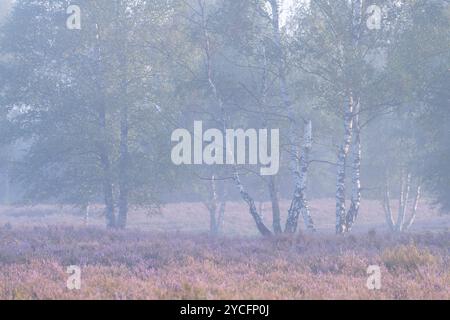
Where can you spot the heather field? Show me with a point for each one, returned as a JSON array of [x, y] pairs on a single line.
[[186, 263], [224, 150]]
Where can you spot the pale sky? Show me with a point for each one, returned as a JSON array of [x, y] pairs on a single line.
[[286, 6], [5, 5]]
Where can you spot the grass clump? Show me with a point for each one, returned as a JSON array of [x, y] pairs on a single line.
[[407, 257]]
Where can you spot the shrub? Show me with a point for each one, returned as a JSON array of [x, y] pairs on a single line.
[[407, 257]]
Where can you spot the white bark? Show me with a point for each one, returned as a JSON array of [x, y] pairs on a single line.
[[401, 225], [299, 167], [252, 207], [345, 220], [212, 207], [244, 194], [299, 202], [216, 210], [221, 216], [87, 212], [412, 218], [404, 197], [387, 207], [353, 212]]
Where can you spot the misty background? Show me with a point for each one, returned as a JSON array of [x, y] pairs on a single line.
[[87, 114]]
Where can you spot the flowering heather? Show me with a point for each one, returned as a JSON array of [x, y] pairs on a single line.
[[141, 265]]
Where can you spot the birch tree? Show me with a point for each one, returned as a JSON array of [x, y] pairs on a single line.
[[345, 57], [299, 166]]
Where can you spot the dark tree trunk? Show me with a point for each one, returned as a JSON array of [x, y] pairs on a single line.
[[123, 169], [107, 181], [252, 208], [276, 216], [102, 145], [124, 159]]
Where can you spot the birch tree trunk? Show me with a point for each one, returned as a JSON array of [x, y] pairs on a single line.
[[209, 71], [108, 189], [299, 203], [412, 218], [387, 206], [272, 183], [345, 220], [87, 211], [7, 194], [405, 186], [252, 207], [123, 148], [304, 168], [404, 197], [221, 216], [341, 167], [284, 93], [102, 144], [352, 213], [212, 207]]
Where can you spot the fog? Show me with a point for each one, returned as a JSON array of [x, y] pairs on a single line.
[[5, 7]]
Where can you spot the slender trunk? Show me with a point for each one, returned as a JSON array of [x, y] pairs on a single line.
[[102, 145], [244, 194], [284, 93], [345, 220], [357, 21], [252, 208], [304, 167], [276, 216], [212, 222], [124, 161], [404, 197], [221, 216], [108, 191], [107, 174], [87, 210], [7, 194], [261, 207], [221, 211], [272, 183], [412, 218], [352, 213], [299, 203], [387, 206], [400, 199], [212, 207], [341, 168], [123, 169]]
